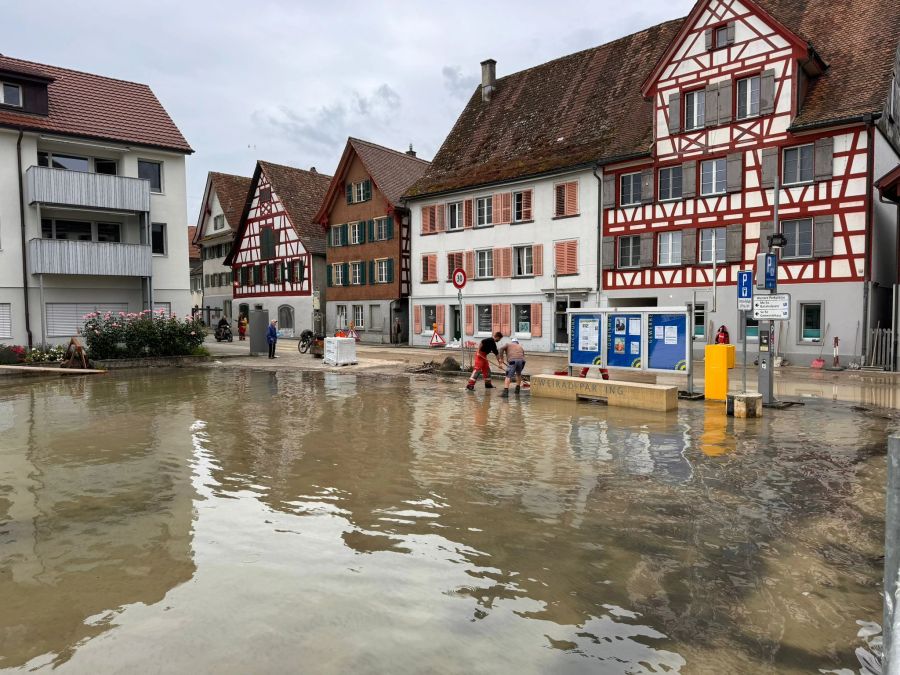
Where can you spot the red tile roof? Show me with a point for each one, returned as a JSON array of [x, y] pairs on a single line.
[[232, 192], [392, 171], [97, 107], [193, 249], [301, 192]]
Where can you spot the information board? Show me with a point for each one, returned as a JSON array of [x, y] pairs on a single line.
[[776, 306], [584, 338], [667, 341], [623, 340]]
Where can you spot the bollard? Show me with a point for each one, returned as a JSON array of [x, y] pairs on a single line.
[[744, 405], [891, 651]]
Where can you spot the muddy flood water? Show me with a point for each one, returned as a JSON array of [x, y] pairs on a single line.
[[236, 521]]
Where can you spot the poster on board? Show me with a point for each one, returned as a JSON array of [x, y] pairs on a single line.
[[623, 348], [667, 341], [584, 339]]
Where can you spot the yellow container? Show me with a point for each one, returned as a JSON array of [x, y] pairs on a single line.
[[719, 359]]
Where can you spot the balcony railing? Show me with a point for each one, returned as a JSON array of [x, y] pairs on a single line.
[[60, 256], [80, 189]]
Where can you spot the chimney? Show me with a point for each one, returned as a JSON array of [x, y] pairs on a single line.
[[312, 169], [488, 79], [411, 152]]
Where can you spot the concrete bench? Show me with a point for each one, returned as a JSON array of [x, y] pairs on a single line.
[[623, 394]]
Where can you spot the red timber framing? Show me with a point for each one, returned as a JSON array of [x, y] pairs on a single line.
[[834, 198], [270, 259]]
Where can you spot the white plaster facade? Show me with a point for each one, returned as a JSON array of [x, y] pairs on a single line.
[[216, 236]]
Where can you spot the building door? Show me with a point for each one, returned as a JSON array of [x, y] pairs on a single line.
[[456, 322], [286, 319], [562, 320]]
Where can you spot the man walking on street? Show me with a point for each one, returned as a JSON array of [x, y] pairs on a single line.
[[487, 346], [514, 355], [272, 337]]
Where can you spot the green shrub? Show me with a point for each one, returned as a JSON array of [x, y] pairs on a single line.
[[11, 355], [142, 334]]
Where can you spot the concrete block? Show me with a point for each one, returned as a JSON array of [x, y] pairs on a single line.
[[744, 405], [656, 397]]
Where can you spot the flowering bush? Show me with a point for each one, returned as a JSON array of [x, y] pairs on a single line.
[[46, 354], [134, 335], [10, 355]]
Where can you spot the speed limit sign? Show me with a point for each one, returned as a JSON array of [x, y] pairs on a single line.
[[459, 278]]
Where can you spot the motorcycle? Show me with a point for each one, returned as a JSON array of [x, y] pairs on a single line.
[[224, 333]]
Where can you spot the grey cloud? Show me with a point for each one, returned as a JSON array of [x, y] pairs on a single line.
[[456, 83]]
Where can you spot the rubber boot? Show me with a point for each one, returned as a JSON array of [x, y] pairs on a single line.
[[470, 385], [488, 385], [505, 394], [517, 389]]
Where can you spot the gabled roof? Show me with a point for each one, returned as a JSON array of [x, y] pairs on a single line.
[[300, 191], [97, 107], [232, 193], [193, 249], [889, 185], [565, 113], [393, 172]]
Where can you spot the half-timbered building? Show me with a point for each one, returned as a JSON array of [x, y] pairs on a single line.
[[368, 243], [749, 97], [278, 254]]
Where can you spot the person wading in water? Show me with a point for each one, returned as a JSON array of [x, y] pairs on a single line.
[[514, 355], [487, 346]]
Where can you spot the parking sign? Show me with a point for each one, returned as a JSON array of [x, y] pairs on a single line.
[[745, 291]]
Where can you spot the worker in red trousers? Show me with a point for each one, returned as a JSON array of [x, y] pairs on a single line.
[[487, 346]]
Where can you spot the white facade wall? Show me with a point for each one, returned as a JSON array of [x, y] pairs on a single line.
[[544, 229], [215, 296], [171, 272]]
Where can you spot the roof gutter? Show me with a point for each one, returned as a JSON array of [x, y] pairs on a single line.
[[24, 247], [865, 118]]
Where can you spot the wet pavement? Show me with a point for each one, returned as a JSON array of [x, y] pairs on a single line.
[[235, 520]]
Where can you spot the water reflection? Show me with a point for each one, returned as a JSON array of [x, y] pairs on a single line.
[[358, 523]]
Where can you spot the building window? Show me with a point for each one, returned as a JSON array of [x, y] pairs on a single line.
[[484, 264], [151, 171], [5, 320], [110, 232], [455, 216], [382, 231], [670, 248], [630, 189], [811, 322], [694, 109], [76, 230], [566, 199], [484, 320], [699, 322], [521, 206], [359, 316], [712, 238], [748, 97], [522, 319], [382, 271], [798, 165], [108, 167], [454, 261], [429, 268], [799, 234], [219, 222], [361, 191], [712, 177], [268, 242], [337, 274], [429, 318], [12, 94], [484, 211], [356, 277], [67, 162], [670, 183], [720, 37], [523, 260], [336, 235], [265, 195], [629, 251], [158, 238], [752, 332], [356, 233], [340, 316]]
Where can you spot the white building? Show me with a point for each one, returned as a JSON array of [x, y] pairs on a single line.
[[92, 202], [220, 214]]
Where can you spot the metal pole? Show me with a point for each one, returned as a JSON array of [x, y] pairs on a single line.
[[555, 289], [690, 344], [744, 351], [891, 556], [43, 313], [715, 257], [462, 328]]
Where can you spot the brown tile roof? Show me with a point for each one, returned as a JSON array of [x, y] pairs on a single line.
[[301, 192], [568, 112], [93, 106], [232, 193], [193, 249], [392, 171]]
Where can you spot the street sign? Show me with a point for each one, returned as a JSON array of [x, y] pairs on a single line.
[[459, 278], [774, 307], [745, 291]]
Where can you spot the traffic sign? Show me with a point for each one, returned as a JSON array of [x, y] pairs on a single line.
[[745, 290], [767, 271], [774, 307], [459, 278]]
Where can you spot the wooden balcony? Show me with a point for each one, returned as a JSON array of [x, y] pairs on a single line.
[[93, 258], [79, 189]]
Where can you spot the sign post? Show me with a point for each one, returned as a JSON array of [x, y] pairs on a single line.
[[459, 282], [744, 304]]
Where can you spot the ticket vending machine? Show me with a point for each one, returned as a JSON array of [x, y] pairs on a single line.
[[259, 322], [766, 380]]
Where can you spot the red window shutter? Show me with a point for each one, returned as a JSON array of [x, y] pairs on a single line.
[[536, 319], [498, 263], [424, 220], [572, 198], [572, 257], [439, 217], [505, 312], [559, 257], [560, 200], [526, 205], [506, 257], [432, 267], [417, 319], [451, 260], [507, 207], [470, 319], [440, 319], [467, 213], [470, 264], [537, 257], [495, 318]]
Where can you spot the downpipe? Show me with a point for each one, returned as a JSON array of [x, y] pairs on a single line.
[[24, 247]]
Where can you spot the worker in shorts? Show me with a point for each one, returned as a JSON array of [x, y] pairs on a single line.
[[514, 355], [487, 346]]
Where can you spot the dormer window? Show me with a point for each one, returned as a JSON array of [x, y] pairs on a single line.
[[12, 95]]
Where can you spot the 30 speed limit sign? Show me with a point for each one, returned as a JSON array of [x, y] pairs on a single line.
[[459, 278]]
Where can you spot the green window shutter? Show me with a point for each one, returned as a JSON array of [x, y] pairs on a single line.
[[345, 239], [328, 275], [367, 190], [271, 273], [349, 193], [371, 271], [390, 270], [362, 233], [390, 227], [346, 269], [362, 272], [301, 272], [371, 230]]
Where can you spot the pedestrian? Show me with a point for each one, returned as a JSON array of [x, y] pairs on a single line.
[[514, 355], [242, 327], [272, 337], [487, 346], [722, 337]]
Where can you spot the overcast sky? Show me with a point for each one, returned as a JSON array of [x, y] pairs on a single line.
[[289, 81]]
